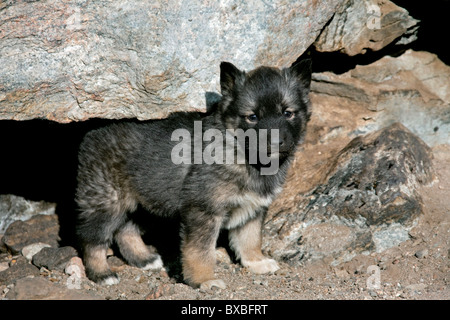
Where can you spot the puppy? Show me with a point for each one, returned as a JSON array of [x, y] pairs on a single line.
[[167, 167]]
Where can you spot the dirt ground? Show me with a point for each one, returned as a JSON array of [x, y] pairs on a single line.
[[416, 269]]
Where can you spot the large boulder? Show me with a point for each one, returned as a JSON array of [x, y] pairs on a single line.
[[366, 201], [353, 187], [413, 89], [70, 61], [359, 25]]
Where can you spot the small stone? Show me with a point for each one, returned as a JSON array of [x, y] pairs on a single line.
[[20, 269], [116, 264], [30, 250], [40, 228], [222, 256], [421, 254], [163, 273], [282, 272], [373, 294], [257, 282], [342, 273], [75, 266], [54, 258], [4, 266], [74, 281], [159, 291]]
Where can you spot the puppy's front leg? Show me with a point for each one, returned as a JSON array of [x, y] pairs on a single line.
[[246, 242], [200, 233]]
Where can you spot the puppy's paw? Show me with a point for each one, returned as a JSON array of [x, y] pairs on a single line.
[[155, 265], [107, 278], [262, 266], [109, 281], [213, 283]]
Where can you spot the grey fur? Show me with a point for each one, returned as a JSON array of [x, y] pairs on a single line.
[[126, 164]]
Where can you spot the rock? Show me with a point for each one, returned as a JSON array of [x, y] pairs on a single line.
[[368, 24], [42, 289], [367, 200], [4, 266], [20, 269], [3, 247], [116, 264], [40, 228], [75, 266], [71, 61], [14, 208], [77, 272], [159, 291], [421, 253], [222, 256], [30, 250], [54, 258], [412, 89]]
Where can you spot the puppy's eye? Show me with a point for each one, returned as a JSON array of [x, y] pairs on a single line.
[[288, 114], [251, 118]]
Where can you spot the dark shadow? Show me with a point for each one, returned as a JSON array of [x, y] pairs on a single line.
[[339, 63], [433, 30], [38, 161]]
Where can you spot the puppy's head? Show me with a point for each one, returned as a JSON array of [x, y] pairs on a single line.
[[268, 98]]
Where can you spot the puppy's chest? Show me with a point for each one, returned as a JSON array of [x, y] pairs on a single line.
[[244, 207]]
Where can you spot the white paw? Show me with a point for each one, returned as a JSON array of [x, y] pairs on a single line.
[[261, 266], [213, 283], [110, 281], [155, 265]]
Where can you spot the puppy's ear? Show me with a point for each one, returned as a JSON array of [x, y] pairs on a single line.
[[230, 76], [302, 70]]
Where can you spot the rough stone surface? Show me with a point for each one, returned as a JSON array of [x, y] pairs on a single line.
[[42, 289], [30, 250], [14, 208], [359, 25], [75, 269], [413, 89], [75, 266], [20, 268], [159, 291], [54, 258], [367, 200], [40, 228], [69, 61]]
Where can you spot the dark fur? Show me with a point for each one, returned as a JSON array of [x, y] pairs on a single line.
[[123, 165]]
